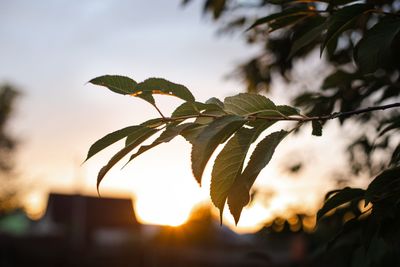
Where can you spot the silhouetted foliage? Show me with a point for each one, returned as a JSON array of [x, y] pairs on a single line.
[[9, 198], [358, 43]]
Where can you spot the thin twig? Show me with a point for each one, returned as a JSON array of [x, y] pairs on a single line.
[[354, 112]]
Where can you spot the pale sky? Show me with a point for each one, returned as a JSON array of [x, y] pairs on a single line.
[[50, 49]]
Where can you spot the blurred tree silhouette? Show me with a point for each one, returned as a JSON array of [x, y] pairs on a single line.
[[359, 46], [10, 188], [351, 74]]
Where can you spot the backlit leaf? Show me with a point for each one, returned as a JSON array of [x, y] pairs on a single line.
[[122, 85], [192, 133], [208, 140], [246, 104], [238, 196], [229, 163], [188, 109], [153, 123], [162, 86], [215, 101], [110, 139], [118, 84], [133, 140], [167, 135], [193, 109]]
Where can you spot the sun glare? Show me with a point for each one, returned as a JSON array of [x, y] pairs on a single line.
[[167, 199], [167, 205], [35, 205], [168, 212]]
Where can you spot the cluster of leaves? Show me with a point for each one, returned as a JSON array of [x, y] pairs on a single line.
[[375, 216], [237, 122], [358, 40]]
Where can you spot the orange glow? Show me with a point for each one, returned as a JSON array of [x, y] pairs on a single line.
[[167, 199], [165, 192], [169, 212], [252, 219], [35, 206], [136, 93]]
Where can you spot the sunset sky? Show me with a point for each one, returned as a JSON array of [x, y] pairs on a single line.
[[50, 49]]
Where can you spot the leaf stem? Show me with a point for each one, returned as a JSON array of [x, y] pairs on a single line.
[[159, 111]]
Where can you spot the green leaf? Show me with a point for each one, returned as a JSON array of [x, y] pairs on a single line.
[[213, 106], [229, 163], [188, 109], [343, 196], [209, 138], [210, 115], [193, 109], [137, 135], [132, 141], [118, 84], [122, 85], [314, 30], [191, 134], [215, 101], [245, 104], [238, 196], [165, 87], [110, 139], [342, 20], [377, 48], [153, 123], [316, 128], [169, 133]]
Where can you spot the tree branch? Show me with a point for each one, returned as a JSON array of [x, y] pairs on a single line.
[[298, 118], [354, 112]]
